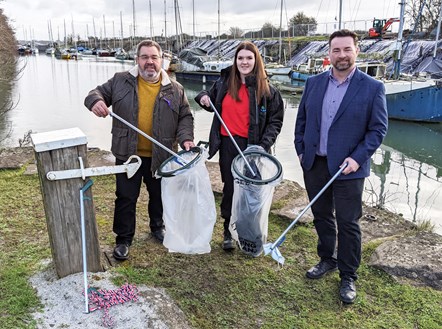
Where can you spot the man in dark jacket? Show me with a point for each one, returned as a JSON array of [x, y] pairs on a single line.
[[147, 98], [342, 118]]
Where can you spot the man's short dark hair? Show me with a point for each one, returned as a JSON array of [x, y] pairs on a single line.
[[149, 43], [344, 33]]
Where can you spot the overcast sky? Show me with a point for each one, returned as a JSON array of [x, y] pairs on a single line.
[[30, 17]]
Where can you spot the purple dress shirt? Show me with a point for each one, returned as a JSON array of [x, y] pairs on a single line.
[[332, 100]]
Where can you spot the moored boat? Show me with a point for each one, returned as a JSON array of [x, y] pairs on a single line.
[[415, 99], [195, 64], [278, 69]]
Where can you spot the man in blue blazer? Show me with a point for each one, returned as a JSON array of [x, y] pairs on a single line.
[[342, 118]]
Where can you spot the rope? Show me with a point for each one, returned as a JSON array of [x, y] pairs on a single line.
[[104, 299]]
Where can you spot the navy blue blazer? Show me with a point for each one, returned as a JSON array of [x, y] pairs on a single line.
[[357, 130]]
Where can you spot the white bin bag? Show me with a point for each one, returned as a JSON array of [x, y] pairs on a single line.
[[189, 211], [252, 198]]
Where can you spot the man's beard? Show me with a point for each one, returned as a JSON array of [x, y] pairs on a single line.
[[343, 65], [150, 75]]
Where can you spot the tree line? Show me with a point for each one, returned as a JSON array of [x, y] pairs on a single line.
[[422, 15], [8, 67]]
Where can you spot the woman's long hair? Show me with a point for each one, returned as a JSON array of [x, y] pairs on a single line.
[[262, 85]]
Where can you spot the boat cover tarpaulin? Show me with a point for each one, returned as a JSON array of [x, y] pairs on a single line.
[[195, 56], [431, 66]]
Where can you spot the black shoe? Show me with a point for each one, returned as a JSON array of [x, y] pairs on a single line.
[[347, 290], [228, 243], [159, 234], [320, 269], [121, 251]]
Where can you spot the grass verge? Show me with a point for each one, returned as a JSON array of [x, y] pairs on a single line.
[[216, 290]]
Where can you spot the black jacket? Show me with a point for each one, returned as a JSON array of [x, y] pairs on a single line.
[[265, 117]]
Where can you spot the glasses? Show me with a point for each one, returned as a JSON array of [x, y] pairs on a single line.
[[154, 58]]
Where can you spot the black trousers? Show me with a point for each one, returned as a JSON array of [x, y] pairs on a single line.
[[227, 153], [127, 192], [336, 217]]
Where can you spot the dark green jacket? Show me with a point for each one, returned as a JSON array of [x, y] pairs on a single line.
[[172, 118]]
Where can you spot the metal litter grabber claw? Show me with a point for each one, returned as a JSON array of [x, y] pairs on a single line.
[[113, 115], [83, 243], [272, 248], [249, 167]]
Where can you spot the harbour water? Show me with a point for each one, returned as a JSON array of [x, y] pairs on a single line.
[[406, 171]]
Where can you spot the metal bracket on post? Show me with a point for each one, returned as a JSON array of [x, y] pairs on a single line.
[[129, 167]]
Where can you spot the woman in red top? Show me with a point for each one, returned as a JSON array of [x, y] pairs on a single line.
[[252, 110]]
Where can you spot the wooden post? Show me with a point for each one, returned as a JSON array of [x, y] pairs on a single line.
[[60, 150]]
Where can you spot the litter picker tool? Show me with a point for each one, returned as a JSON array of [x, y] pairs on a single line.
[[272, 248], [252, 172], [83, 243], [112, 114]]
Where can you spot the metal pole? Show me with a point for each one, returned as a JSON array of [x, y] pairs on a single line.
[[340, 14], [280, 34], [83, 241], [438, 30], [121, 26], [165, 25], [397, 63], [133, 18], [112, 114], [231, 137], [193, 18], [219, 37], [281, 237]]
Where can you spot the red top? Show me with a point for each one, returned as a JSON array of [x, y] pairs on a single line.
[[235, 114]]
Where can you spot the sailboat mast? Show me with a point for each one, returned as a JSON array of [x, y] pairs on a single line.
[[219, 36], [104, 29], [178, 26], [133, 17], [193, 18], [65, 38], [95, 33], [150, 18], [165, 25], [340, 14], [113, 33], [121, 27], [438, 31], [74, 39], [87, 35], [280, 33], [397, 63]]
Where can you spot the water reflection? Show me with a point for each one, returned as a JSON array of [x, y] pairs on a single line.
[[406, 170]]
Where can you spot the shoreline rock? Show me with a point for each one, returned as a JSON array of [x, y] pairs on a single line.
[[407, 254]]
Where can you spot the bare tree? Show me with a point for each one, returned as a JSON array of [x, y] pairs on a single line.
[[236, 32], [423, 14], [269, 30], [301, 24]]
